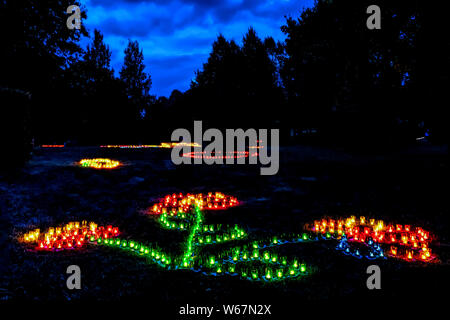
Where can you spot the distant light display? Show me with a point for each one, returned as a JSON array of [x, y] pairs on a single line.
[[52, 146], [219, 155], [163, 145], [99, 163]]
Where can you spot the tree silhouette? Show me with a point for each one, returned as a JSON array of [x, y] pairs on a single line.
[[351, 81], [240, 82], [37, 47], [137, 82], [92, 81]]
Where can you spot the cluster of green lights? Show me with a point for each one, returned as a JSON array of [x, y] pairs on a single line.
[[254, 260], [249, 261], [205, 234], [154, 254], [253, 264]]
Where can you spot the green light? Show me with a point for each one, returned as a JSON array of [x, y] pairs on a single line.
[[305, 236], [302, 268], [200, 234]]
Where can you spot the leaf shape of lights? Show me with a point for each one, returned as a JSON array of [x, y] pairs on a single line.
[[402, 241]]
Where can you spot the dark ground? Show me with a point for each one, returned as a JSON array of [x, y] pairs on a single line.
[[407, 187]]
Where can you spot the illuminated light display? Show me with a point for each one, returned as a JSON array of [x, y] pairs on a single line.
[[370, 250], [99, 163], [163, 145], [179, 203], [258, 145], [70, 236], [401, 241], [52, 146], [248, 262], [255, 262], [220, 155], [238, 255]]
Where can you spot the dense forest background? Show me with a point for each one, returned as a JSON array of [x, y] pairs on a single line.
[[332, 76]]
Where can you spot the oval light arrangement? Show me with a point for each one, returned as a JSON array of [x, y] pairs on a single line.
[[99, 163]]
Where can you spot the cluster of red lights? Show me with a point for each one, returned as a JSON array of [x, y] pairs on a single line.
[[219, 155], [52, 146], [402, 241], [72, 235], [176, 203]]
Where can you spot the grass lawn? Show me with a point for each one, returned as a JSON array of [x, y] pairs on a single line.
[[404, 187]]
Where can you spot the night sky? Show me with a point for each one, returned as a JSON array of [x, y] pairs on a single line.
[[176, 35]]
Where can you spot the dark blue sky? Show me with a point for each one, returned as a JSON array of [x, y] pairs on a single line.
[[176, 35]]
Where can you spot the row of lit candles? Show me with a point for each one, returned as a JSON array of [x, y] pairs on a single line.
[[69, 236], [219, 155], [164, 145], [179, 203]]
